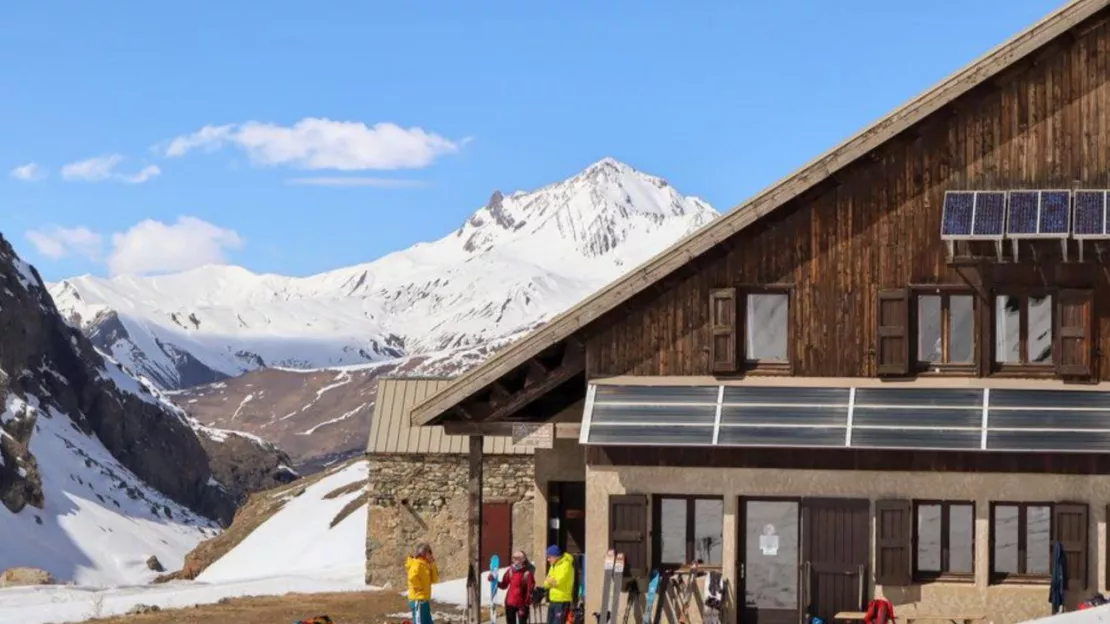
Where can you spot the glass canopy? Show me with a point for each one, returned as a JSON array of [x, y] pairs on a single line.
[[988, 419]]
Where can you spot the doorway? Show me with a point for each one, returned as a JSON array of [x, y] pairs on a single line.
[[802, 557], [566, 511]]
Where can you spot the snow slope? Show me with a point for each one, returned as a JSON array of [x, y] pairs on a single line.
[[100, 522], [514, 263], [309, 545]]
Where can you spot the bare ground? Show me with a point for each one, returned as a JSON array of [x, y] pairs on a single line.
[[368, 607]]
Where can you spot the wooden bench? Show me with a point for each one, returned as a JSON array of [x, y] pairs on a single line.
[[859, 616]]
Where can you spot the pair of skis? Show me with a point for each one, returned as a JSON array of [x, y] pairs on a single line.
[[714, 591], [611, 587]]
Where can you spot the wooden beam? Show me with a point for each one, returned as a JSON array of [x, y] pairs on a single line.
[[474, 531], [505, 428], [573, 363], [536, 372], [499, 394]]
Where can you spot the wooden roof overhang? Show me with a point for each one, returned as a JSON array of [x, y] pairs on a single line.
[[861, 414], [485, 394]]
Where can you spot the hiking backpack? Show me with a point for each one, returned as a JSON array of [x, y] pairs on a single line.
[[879, 611]]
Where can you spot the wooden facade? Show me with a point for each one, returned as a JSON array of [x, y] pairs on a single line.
[[875, 227]]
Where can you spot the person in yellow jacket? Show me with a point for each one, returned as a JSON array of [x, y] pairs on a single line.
[[559, 584], [422, 571]]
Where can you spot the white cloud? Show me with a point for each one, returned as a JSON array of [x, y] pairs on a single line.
[[374, 182], [156, 247], [30, 172], [101, 168], [315, 143], [58, 242]]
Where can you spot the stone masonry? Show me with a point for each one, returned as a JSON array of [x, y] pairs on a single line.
[[415, 497]]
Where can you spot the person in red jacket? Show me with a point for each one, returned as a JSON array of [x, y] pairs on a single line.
[[519, 581]]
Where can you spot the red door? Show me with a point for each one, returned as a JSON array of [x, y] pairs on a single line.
[[497, 532]]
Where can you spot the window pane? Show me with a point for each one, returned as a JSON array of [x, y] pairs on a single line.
[[1007, 329], [1037, 545], [1005, 533], [928, 329], [709, 526], [928, 538], [1040, 329], [961, 539], [766, 331], [672, 530], [961, 329]]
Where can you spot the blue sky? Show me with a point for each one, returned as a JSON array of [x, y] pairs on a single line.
[[721, 98]]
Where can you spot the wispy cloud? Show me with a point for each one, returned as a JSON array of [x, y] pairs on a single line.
[[58, 242], [315, 143], [374, 182], [102, 168], [30, 172], [147, 247]]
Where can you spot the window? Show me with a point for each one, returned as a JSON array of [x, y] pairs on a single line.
[[945, 538], [688, 529], [1021, 534], [767, 327], [1023, 330], [945, 330]]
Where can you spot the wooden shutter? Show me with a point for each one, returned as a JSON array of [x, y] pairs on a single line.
[[892, 340], [723, 332], [893, 542], [1073, 331], [1070, 528], [628, 515]]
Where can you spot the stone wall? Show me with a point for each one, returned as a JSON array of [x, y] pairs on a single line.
[[423, 498]]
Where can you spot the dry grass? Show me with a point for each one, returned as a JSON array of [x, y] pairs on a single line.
[[351, 487], [350, 508], [369, 607]]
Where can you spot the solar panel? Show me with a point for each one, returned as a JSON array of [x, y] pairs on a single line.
[[958, 211], [1089, 219], [1039, 214], [989, 215]]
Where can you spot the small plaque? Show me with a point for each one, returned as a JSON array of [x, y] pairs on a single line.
[[535, 435]]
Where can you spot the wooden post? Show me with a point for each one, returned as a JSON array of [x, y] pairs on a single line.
[[474, 530]]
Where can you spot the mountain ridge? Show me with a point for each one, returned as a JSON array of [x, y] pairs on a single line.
[[515, 262]]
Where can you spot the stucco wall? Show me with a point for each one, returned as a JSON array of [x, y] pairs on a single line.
[[423, 498], [1002, 604], [565, 461]]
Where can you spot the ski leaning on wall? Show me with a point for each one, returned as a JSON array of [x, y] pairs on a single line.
[[607, 582], [494, 568], [652, 592], [714, 591], [618, 584]]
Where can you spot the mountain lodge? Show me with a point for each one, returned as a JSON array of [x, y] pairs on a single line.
[[890, 362]]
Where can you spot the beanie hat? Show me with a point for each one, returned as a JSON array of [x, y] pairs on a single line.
[[553, 551]]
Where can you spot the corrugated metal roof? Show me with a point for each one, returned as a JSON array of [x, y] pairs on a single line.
[[392, 432]]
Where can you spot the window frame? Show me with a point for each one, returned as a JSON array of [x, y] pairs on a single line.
[[748, 363], [1024, 367], [691, 522], [945, 292], [929, 576], [1023, 538]]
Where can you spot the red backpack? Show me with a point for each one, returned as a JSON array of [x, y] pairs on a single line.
[[879, 611]]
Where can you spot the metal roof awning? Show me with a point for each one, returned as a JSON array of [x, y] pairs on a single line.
[[902, 417]]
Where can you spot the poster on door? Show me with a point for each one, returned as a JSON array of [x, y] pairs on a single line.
[[769, 541]]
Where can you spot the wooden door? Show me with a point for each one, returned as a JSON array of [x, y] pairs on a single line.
[[497, 532], [836, 546], [770, 548]]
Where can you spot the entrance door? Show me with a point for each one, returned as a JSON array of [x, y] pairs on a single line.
[[497, 532], [836, 535], [567, 509], [769, 575]]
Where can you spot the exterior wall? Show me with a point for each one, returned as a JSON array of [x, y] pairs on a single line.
[[565, 461], [424, 497], [1002, 604], [876, 225]]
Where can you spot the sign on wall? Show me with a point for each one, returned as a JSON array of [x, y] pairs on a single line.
[[535, 435]]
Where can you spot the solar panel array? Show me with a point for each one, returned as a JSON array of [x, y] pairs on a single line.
[[1025, 214], [979, 419]]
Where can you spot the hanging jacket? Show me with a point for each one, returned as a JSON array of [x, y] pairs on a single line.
[[1059, 577], [421, 575], [879, 611], [562, 575], [520, 583]]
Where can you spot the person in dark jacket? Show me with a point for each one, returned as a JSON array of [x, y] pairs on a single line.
[[519, 581]]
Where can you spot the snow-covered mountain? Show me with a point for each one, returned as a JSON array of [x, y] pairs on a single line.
[[517, 261], [99, 472]]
